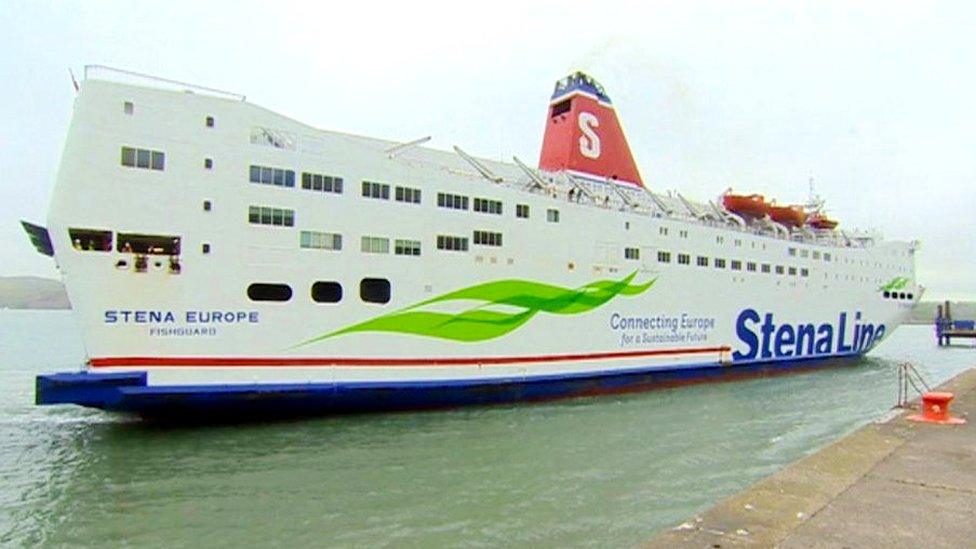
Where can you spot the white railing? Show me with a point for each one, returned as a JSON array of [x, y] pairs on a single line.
[[122, 76]]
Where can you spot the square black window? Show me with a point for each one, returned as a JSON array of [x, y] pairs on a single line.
[[210, 121], [208, 163]]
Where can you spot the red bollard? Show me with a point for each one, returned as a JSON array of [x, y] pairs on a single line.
[[935, 409]]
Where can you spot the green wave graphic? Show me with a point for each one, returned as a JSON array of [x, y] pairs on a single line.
[[896, 283], [480, 324]]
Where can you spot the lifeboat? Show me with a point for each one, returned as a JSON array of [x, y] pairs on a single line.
[[791, 216], [751, 205], [820, 221]]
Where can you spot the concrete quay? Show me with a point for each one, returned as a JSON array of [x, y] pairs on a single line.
[[895, 483]]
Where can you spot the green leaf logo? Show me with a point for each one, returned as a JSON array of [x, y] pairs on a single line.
[[482, 323]]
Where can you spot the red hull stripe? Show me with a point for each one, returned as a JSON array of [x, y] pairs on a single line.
[[341, 361]]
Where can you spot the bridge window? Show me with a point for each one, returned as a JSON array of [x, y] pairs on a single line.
[[684, 259], [702, 261], [736, 265], [631, 253], [326, 292], [323, 183], [262, 291], [143, 158], [522, 210], [91, 240], [485, 238], [372, 189], [552, 215], [266, 175], [374, 290], [664, 257], [149, 244], [719, 263]]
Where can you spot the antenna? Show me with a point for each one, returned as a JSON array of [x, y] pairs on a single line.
[[73, 81]]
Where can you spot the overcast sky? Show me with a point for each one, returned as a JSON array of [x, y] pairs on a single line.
[[875, 101]]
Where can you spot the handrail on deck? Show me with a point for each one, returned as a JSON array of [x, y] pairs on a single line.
[[156, 79]]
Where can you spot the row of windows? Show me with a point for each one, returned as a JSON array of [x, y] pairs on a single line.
[[453, 201], [143, 158], [320, 240], [806, 253], [408, 194], [898, 295], [720, 263], [319, 182], [452, 243], [486, 238], [371, 290], [631, 253], [485, 205], [372, 189], [265, 215], [375, 245], [266, 175]]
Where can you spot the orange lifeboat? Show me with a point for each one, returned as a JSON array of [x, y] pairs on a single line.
[[820, 221], [791, 216], [751, 205]]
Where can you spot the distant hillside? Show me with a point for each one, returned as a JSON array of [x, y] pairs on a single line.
[[31, 292], [924, 312]]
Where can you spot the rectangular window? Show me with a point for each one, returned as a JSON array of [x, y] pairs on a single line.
[[751, 267], [804, 272], [372, 189], [816, 255], [320, 240], [792, 252], [664, 257], [779, 269], [552, 215], [407, 194], [406, 247], [522, 210], [452, 243], [826, 256], [684, 259], [765, 268], [318, 182], [631, 253], [736, 265], [663, 231], [486, 238], [702, 261], [804, 253], [792, 271], [485, 205], [375, 245], [266, 175], [151, 244], [91, 240], [719, 263], [452, 201], [266, 215], [143, 158]]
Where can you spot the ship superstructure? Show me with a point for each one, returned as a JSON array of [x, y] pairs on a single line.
[[222, 257]]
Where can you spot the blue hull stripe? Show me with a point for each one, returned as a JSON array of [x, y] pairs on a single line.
[[129, 392]]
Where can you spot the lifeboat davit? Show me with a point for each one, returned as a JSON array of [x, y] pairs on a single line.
[[751, 205], [791, 216], [820, 221]]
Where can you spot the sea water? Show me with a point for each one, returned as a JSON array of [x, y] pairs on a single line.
[[596, 471]]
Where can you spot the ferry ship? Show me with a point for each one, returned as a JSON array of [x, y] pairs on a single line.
[[225, 260]]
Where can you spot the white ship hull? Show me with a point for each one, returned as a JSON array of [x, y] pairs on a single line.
[[560, 307]]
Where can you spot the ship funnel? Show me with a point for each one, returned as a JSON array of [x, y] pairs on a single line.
[[583, 135]]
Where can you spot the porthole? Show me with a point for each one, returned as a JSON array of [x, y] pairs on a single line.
[[261, 291], [887, 294], [374, 290], [326, 292]]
